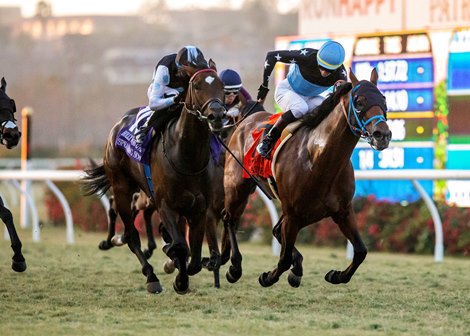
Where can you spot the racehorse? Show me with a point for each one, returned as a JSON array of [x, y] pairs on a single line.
[[181, 173], [141, 202], [10, 136], [314, 176]]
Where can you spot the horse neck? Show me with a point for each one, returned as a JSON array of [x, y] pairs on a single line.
[[332, 140], [193, 138]]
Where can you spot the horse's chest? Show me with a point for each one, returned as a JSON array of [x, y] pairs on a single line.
[[188, 198]]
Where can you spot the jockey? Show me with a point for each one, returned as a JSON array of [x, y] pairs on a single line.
[[311, 76], [170, 81], [235, 94]]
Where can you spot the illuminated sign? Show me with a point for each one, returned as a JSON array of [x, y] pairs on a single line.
[[364, 158], [458, 82], [405, 67]]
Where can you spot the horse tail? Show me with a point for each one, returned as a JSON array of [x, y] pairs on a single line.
[[95, 181]]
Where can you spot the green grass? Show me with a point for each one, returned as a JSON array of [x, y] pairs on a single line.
[[80, 290]]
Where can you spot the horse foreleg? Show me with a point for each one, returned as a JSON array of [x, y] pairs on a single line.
[[288, 234], [112, 216], [213, 262], [296, 273], [18, 263], [131, 237], [234, 272], [177, 250], [151, 244], [196, 238], [348, 226]]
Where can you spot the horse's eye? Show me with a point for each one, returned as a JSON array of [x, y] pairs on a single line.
[[360, 102]]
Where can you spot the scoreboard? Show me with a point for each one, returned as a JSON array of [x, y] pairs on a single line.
[[405, 66]]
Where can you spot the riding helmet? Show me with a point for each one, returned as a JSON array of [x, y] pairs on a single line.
[[231, 79], [331, 55], [191, 56]]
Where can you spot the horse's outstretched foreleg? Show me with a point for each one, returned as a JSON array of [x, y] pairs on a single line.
[[131, 236], [196, 238], [18, 262], [151, 244], [112, 216], [177, 250], [213, 262], [234, 272], [236, 198], [347, 224], [288, 235], [296, 272]]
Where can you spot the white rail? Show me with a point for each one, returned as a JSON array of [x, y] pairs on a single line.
[[414, 175]]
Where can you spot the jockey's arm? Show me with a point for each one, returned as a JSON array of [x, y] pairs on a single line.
[[157, 90], [283, 56]]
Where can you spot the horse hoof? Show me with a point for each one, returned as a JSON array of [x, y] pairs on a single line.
[[181, 291], [154, 287], [232, 275], [104, 245], [18, 266], [169, 267], [117, 241], [294, 280], [333, 277], [263, 280]]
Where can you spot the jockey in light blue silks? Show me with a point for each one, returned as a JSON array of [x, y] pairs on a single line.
[[311, 76]]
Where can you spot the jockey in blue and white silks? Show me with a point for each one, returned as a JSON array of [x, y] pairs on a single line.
[[310, 79]]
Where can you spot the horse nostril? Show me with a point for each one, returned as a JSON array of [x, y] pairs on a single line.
[[377, 135], [211, 117]]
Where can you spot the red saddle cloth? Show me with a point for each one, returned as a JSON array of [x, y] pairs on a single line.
[[253, 161]]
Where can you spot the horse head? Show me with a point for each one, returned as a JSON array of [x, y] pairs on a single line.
[[9, 133], [367, 112], [205, 97]]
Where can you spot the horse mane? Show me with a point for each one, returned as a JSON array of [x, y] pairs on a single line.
[[314, 118]]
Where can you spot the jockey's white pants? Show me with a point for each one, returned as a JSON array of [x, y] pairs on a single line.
[[288, 99]]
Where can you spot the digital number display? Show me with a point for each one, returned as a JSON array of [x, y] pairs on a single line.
[[399, 71]]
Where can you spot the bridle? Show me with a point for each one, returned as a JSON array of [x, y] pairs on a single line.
[[354, 115], [8, 124], [198, 112], [194, 110]]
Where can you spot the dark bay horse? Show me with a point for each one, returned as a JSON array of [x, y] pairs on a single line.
[[181, 170], [314, 176], [141, 202], [9, 137]]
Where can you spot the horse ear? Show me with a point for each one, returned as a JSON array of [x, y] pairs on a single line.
[[374, 76], [212, 64], [353, 77], [4, 84]]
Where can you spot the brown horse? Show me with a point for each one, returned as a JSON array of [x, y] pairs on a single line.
[[10, 136], [314, 176], [141, 202], [181, 171]]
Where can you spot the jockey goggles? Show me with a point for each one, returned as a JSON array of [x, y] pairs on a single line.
[[231, 92]]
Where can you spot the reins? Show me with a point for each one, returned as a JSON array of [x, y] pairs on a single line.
[[199, 115]]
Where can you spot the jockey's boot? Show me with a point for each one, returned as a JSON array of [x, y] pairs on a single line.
[[266, 146], [141, 133]]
